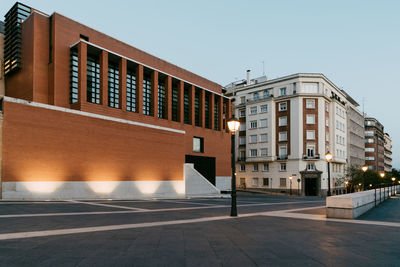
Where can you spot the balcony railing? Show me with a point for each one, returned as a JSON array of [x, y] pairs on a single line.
[[282, 157], [241, 159], [316, 156]]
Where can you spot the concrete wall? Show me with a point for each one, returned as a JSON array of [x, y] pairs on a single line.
[[198, 186]]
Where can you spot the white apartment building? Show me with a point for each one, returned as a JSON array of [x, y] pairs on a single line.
[[288, 124]]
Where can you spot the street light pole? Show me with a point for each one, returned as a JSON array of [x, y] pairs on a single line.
[[233, 126], [364, 169], [290, 181], [328, 158]]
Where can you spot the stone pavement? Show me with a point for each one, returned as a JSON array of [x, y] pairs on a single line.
[[270, 231]]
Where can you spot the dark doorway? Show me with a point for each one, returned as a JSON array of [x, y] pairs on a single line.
[[310, 187], [204, 165]]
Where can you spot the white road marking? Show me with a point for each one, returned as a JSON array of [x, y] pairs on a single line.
[[281, 213], [136, 210], [107, 205], [188, 202]]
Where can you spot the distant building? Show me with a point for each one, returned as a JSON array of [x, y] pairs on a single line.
[[388, 153], [288, 124], [374, 145]]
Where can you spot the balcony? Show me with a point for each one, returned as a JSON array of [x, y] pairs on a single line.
[[282, 157], [316, 156], [241, 159]]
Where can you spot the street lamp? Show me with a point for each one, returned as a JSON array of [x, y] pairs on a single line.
[[364, 169], [233, 126], [328, 158], [290, 182], [393, 179], [347, 184], [382, 174]]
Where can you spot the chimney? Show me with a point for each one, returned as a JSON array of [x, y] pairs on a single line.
[[248, 77]]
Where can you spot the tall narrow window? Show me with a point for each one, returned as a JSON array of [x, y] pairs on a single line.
[[161, 97], [93, 79], [73, 93], [216, 113], [174, 101], [207, 110], [197, 107], [113, 85], [186, 105], [131, 90], [146, 93]]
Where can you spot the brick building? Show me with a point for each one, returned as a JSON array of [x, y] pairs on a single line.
[[374, 145], [88, 116]]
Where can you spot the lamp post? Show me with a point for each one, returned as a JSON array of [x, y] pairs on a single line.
[[393, 179], [364, 169], [233, 126], [328, 158], [347, 184], [382, 174], [290, 183]]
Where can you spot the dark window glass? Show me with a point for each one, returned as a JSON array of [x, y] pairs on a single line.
[[197, 107], [207, 110], [73, 93], [216, 118], [161, 98], [113, 85], [131, 90], [93, 79], [186, 106], [175, 101], [146, 94]]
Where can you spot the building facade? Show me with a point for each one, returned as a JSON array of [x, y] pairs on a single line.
[[388, 153], [288, 124], [374, 145], [88, 116], [1, 58]]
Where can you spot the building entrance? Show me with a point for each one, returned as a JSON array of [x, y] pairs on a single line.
[[204, 165], [311, 183], [310, 187]]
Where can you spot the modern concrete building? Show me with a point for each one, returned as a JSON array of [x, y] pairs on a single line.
[[388, 153], [374, 145], [288, 125], [88, 116], [355, 134]]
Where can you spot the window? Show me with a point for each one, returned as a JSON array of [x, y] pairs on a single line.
[[264, 152], [253, 152], [253, 124], [310, 150], [266, 167], [264, 123], [369, 140], [294, 88], [264, 138], [242, 126], [73, 93], [256, 96], [162, 113], [310, 88], [253, 110], [207, 109], [253, 138], [255, 182], [242, 99], [113, 85], [282, 91], [326, 106], [310, 103], [242, 140], [327, 137], [310, 167], [282, 182], [310, 119], [131, 90], [197, 107], [146, 93], [265, 181], [282, 167], [93, 79], [311, 135], [369, 149], [370, 158], [242, 113], [369, 133], [175, 100], [198, 144], [327, 122], [282, 136], [264, 108], [255, 167], [282, 151], [282, 121], [266, 93], [282, 106], [242, 167], [216, 113]]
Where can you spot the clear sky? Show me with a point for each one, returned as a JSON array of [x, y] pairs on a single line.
[[356, 44]]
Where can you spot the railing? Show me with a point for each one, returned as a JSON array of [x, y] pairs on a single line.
[[241, 159], [282, 157], [316, 156]]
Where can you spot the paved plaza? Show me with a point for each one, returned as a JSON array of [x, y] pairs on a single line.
[[270, 231]]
